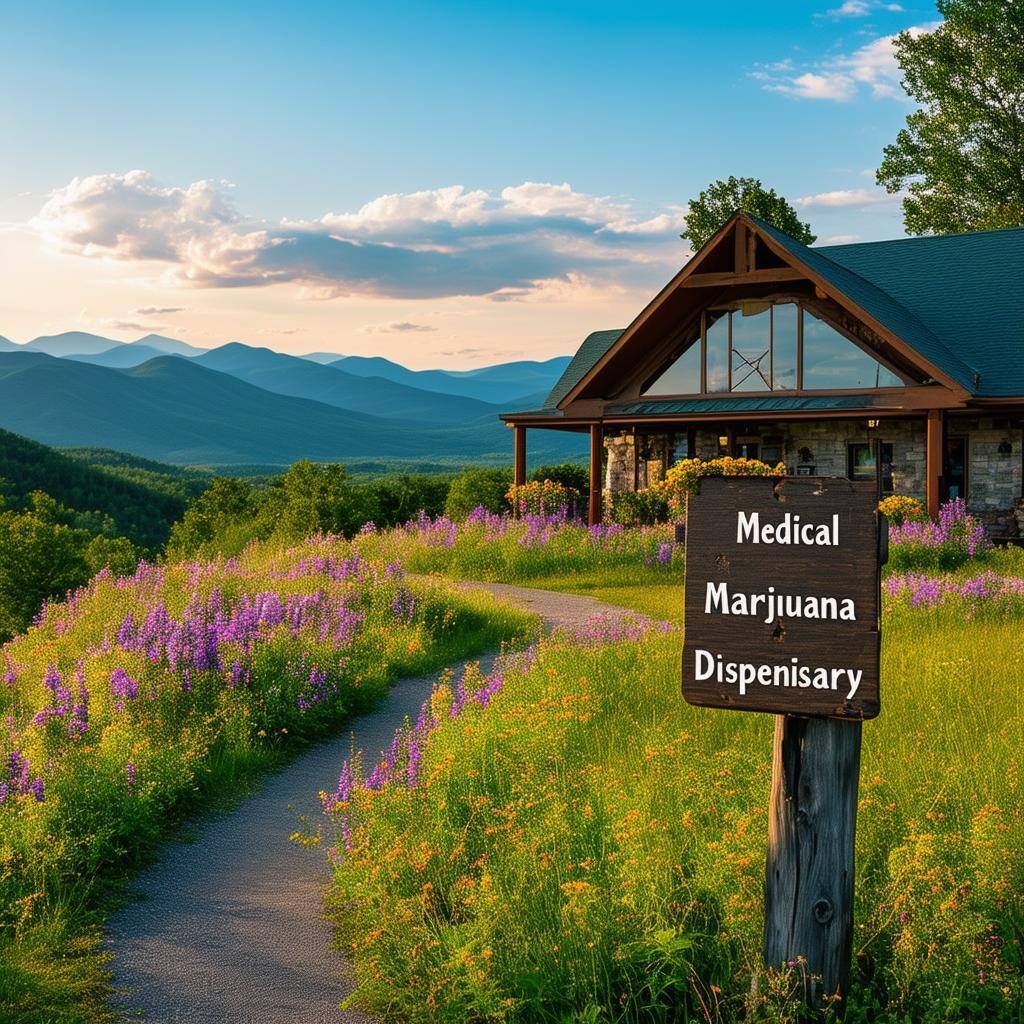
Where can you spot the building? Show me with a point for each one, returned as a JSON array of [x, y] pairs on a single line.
[[829, 359]]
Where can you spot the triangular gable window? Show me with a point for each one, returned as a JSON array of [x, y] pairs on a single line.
[[754, 346]]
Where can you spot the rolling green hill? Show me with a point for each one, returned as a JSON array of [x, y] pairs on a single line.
[[303, 378], [141, 511], [176, 410]]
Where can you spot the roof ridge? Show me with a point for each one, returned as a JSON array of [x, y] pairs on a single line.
[[916, 238]]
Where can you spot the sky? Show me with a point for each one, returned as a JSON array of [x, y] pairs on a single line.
[[444, 184]]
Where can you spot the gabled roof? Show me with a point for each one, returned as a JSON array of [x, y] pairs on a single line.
[[877, 300], [594, 346], [956, 300], [967, 289]]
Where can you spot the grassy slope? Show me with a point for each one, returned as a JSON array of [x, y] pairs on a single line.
[[674, 839], [52, 968]]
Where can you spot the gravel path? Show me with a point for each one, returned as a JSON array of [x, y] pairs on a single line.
[[228, 929]]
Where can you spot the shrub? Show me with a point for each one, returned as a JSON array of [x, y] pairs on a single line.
[[684, 477], [568, 474], [638, 508], [952, 541], [900, 509], [478, 488], [542, 497]]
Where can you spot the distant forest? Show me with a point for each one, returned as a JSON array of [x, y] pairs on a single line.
[[66, 514]]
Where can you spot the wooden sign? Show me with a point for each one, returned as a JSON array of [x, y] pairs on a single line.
[[783, 596]]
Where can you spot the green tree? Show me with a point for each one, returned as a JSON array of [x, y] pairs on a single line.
[[118, 554], [313, 498], [721, 199], [222, 520], [961, 155], [473, 487], [568, 474], [40, 559]]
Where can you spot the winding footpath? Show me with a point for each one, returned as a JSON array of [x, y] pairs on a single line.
[[228, 928]]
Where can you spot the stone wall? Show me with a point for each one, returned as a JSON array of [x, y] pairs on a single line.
[[822, 446], [994, 477]]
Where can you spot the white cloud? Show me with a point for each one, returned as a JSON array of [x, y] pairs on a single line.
[[396, 327], [130, 325], [861, 9], [831, 85], [844, 197], [431, 243], [841, 239], [159, 310], [281, 330], [844, 77]]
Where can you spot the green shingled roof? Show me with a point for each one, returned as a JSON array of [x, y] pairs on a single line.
[[958, 300], [594, 346], [730, 403], [968, 290]]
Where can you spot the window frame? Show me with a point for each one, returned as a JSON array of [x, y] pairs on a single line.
[[803, 308], [877, 447]]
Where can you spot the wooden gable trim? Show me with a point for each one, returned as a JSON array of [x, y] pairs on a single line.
[[829, 291], [745, 272], [652, 306]]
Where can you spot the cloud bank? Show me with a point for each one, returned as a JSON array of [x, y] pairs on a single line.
[[429, 244], [870, 69]]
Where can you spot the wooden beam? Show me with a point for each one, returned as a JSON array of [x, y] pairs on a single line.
[[933, 460], [717, 280], [519, 469], [596, 465], [740, 248]]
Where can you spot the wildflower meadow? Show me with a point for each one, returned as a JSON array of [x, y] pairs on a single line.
[[564, 839], [143, 698], [560, 838]]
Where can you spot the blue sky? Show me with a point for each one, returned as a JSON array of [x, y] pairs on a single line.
[[576, 131]]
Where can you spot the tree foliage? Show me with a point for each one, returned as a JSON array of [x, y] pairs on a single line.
[[141, 509], [961, 155], [721, 199], [475, 487], [42, 556]]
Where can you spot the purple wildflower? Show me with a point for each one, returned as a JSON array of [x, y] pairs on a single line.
[[123, 687]]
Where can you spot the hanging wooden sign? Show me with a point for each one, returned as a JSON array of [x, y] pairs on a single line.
[[783, 596]]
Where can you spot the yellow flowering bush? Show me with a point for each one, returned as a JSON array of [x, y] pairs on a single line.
[[542, 497], [901, 508], [683, 478]]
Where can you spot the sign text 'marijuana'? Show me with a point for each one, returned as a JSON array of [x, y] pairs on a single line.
[[782, 596]]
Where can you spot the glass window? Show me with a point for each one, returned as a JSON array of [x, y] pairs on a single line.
[[784, 318], [718, 351], [860, 463], [832, 361], [682, 377], [751, 347]]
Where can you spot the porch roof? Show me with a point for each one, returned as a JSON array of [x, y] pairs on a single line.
[[741, 405]]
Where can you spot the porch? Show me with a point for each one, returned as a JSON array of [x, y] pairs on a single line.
[[932, 456]]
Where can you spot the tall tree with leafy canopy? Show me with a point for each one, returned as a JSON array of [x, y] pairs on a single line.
[[721, 199], [961, 155]]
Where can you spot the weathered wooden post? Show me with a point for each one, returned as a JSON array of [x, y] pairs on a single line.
[[809, 873], [782, 616]]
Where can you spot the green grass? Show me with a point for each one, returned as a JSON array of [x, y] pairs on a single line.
[[183, 745], [589, 848]]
